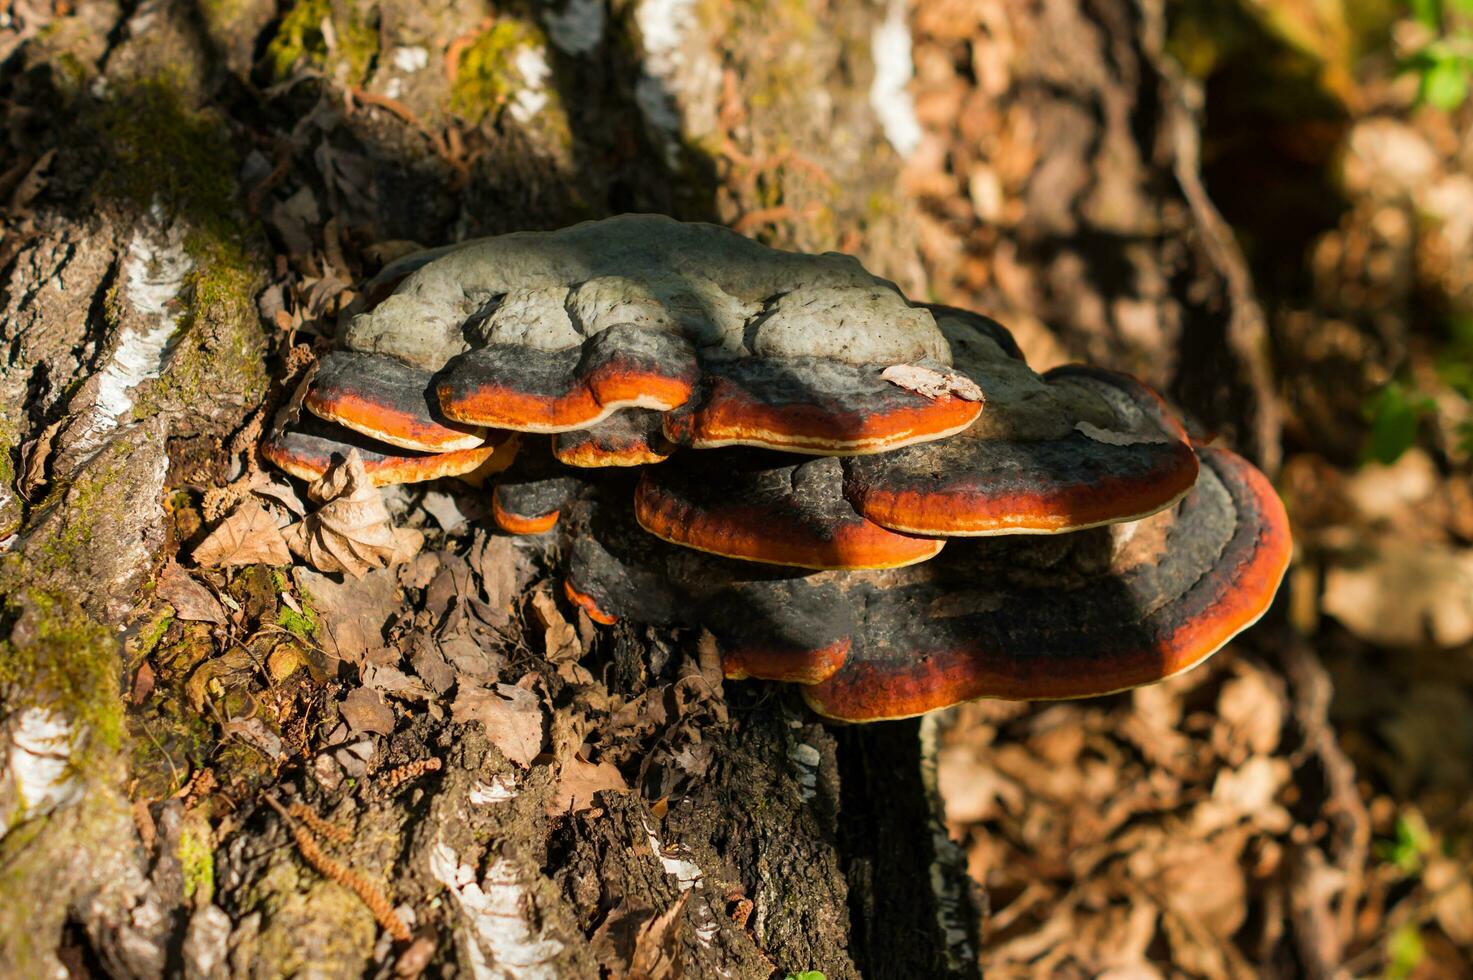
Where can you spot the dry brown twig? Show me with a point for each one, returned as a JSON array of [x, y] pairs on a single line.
[[319, 826], [377, 902], [400, 775]]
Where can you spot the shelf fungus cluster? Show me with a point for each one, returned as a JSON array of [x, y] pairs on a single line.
[[855, 493]]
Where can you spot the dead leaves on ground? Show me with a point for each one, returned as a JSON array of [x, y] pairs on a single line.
[[190, 599], [1119, 835], [349, 532], [636, 941], [511, 715], [248, 535]]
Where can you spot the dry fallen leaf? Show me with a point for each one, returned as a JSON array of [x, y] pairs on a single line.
[[635, 942], [559, 638], [1400, 593], [350, 532], [932, 383], [502, 569], [351, 616], [578, 783], [190, 599], [365, 711], [33, 457], [247, 536], [281, 493], [511, 716]]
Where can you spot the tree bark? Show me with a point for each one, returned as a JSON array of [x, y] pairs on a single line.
[[192, 186]]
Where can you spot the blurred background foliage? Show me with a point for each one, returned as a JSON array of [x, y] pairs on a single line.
[[1287, 82], [1337, 143]]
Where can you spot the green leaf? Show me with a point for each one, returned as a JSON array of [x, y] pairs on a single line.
[[806, 975], [1460, 327], [1465, 438], [1404, 952], [1395, 416], [1410, 845], [1428, 12], [1445, 84], [1464, 7]]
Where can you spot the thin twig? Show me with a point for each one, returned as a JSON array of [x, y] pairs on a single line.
[[366, 890]]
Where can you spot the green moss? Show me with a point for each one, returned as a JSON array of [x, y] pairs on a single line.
[[197, 862], [222, 11], [487, 76], [153, 632], [9, 442], [65, 546], [302, 625], [65, 661], [161, 153], [300, 37]]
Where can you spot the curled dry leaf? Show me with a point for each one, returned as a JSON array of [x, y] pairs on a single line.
[[932, 383], [635, 942], [350, 532], [247, 536], [558, 635], [281, 493]]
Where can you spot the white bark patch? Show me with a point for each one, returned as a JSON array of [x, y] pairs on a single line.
[[531, 98], [889, 93], [410, 60], [579, 28], [498, 790], [947, 869], [805, 760], [688, 876], [38, 777], [1112, 438], [153, 277], [663, 28], [500, 930]]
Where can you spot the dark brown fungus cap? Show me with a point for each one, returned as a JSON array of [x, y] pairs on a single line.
[[589, 604], [781, 630], [762, 507], [769, 623], [514, 386], [813, 406], [306, 449], [529, 498], [629, 438], [1073, 449], [530, 506], [387, 399], [1128, 606], [620, 572], [1010, 617]]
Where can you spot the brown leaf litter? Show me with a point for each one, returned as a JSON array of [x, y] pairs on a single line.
[[247, 536], [350, 532], [1120, 835], [511, 715]]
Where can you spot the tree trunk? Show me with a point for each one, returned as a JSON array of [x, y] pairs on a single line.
[[192, 189]]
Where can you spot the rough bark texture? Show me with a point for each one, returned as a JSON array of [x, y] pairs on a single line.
[[180, 168]]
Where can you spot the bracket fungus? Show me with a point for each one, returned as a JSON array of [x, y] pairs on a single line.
[[807, 444]]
